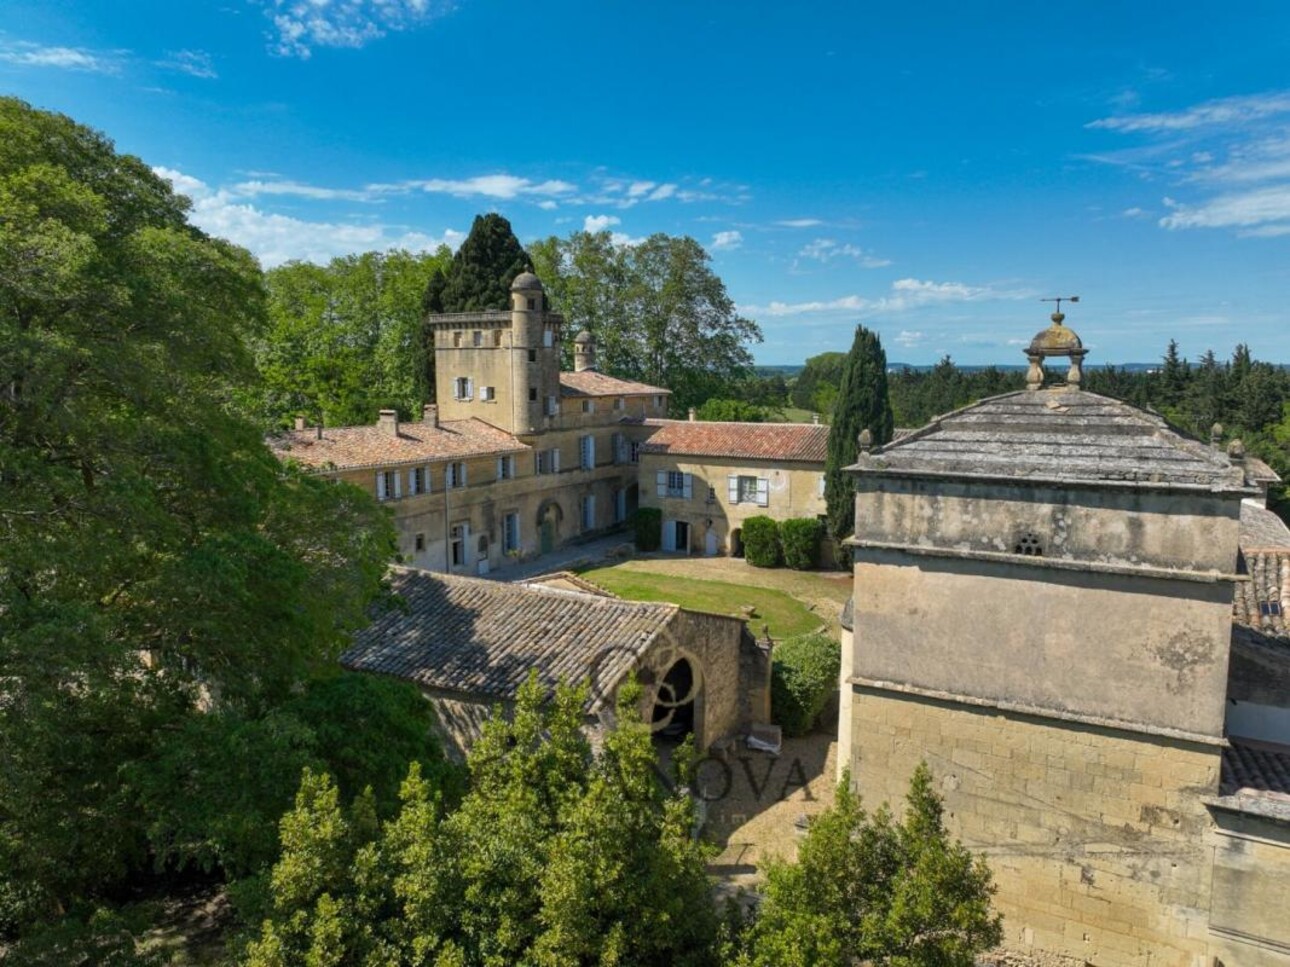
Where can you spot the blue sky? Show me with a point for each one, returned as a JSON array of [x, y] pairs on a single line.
[[930, 170]]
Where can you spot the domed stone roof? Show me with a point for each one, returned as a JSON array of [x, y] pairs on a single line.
[[526, 280], [582, 337], [1056, 340]]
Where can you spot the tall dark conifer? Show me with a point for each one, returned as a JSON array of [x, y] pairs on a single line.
[[862, 403], [482, 270]]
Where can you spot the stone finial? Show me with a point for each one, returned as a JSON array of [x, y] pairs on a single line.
[[1236, 452], [1216, 435], [693, 414], [865, 439]]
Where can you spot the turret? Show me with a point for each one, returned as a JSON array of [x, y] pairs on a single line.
[[584, 352], [533, 383]]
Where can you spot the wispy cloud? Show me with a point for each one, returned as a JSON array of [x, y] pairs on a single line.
[[621, 192], [194, 62], [502, 186], [904, 295], [1224, 111], [727, 241], [799, 222], [63, 58], [275, 238], [297, 189], [598, 223], [827, 249], [908, 338], [1227, 162], [301, 25]]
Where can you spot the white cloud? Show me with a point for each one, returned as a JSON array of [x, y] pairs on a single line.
[[726, 241], [1224, 111], [299, 190], [909, 339], [662, 192], [800, 222], [1262, 211], [638, 188], [905, 294], [500, 185], [598, 223], [65, 58], [302, 25], [195, 62], [275, 238], [827, 249], [1135, 212], [548, 205], [623, 240]]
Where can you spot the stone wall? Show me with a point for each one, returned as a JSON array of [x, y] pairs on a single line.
[[1251, 887], [1098, 839]]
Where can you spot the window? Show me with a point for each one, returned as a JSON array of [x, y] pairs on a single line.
[[548, 338], [476, 338], [635, 451], [456, 338], [455, 475], [548, 461], [748, 490], [587, 452], [497, 337], [488, 394], [463, 388], [419, 542], [532, 355], [511, 533], [712, 494], [506, 468], [532, 304], [589, 512], [552, 406], [620, 506], [388, 485], [457, 544], [618, 403], [1270, 609], [658, 402], [674, 483], [588, 406], [619, 444], [821, 485], [418, 481], [532, 394]]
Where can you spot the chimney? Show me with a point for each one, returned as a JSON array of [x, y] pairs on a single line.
[[388, 422], [815, 419], [300, 423], [694, 415], [430, 415]]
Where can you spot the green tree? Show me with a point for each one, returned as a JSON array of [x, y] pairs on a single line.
[[862, 404], [730, 411], [866, 889], [480, 274], [155, 558], [818, 375]]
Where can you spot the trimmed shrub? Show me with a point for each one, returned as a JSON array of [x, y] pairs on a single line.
[[804, 676], [800, 539], [761, 541], [648, 524]]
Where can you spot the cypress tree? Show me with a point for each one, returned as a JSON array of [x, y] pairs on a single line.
[[862, 403], [481, 272]]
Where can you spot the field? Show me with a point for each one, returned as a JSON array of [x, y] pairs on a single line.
[[790, 602]]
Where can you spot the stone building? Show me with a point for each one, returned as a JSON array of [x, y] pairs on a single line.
[[708, 478], [469, 644], [514, 459], [1043, 611]]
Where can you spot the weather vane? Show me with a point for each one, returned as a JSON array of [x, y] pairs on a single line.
[[1060, 299]]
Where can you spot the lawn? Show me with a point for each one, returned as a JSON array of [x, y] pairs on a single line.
[[791, 414], [784, 614]]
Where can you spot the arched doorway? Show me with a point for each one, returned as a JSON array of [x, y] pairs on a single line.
[[678, 703], [548, 523]]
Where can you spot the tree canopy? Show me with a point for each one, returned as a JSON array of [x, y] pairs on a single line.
[[157, 562], [861, 404], [481, 272], [659, 313]]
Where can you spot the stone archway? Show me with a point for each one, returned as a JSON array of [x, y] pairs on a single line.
[[677, 708], [549, 517]]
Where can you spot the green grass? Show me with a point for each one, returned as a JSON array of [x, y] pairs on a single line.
[[791, 414], [785, 615]]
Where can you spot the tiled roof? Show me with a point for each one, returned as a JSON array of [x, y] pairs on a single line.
[[1260, 472], [350, 447], [794, 442], [1262, 602], [591, 383], [1261, 528], [1059, 433], [1256, 769], [481, 638]]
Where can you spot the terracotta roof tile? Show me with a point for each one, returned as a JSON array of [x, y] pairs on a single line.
[[481, 637], [349, 447], [1256, 769], [589, 382], [1261, 528], [1263, 601], [794, 442]]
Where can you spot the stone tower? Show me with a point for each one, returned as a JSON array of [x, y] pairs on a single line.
[[584, 352], [1042, 612], [500, 366]]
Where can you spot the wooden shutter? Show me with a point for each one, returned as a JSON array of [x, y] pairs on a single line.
[[732, 488], [591, 453], [425, 480], [398, 484], [463, 474], [669, 535], [687, 489], [763, 492], [661, 481], [555, 460], [380, 486], [501, 468]]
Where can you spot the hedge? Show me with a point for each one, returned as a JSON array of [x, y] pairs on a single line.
[[804, 676], [800, 539], [761, 541], [648, 523]]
